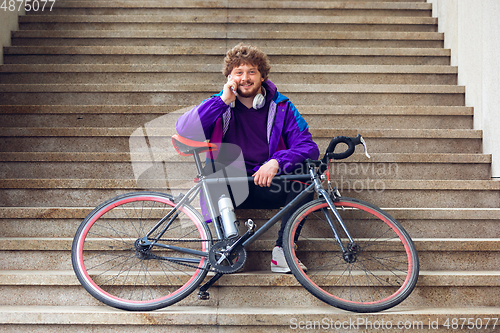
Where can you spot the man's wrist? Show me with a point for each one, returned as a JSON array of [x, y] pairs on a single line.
[[224, 101], [278, 162]]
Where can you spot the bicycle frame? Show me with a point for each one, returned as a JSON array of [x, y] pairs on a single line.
[[382, 270], [246, 240]]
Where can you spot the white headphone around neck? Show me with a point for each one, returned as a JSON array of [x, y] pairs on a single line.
[[258, 101]]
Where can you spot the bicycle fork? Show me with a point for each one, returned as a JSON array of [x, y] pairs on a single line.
[[349, 252]]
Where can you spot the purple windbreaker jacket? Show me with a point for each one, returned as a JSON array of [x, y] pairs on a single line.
[[288, 136]]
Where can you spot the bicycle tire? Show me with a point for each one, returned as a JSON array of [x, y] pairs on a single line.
[[386, 267], [110, 267]]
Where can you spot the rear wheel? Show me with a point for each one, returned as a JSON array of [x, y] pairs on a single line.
[[115, 264], [380, 270]]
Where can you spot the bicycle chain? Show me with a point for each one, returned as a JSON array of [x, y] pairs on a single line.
[[154, 256], [189, 240]]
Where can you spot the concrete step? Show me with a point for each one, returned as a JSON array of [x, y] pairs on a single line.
[[237, 4], [92, 139], [459, 254], [294, 11], [381, 192], [352, 117], [219, 21], [444, 223], [265, 318], [210, 55], [73, 1], [57, 288], [120, 166], [349, 94], [184, 74], [426, 169], [221, 38], [296, 8]]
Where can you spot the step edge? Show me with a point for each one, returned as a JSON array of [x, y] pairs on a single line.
[[410, 213]]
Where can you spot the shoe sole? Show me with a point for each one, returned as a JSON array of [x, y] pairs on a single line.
[[275, 269]]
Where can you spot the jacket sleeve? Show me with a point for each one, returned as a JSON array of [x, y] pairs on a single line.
[[298, 141], [198, 123]]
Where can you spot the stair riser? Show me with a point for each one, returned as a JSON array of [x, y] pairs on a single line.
[[76, 296], [217, 59], [418, 198], [261, 260], [121, 144], [181, 170], [235, 297], [211, 322], [359, 189], [434, 261], [451, 228], [459, 228], [239, 12], [166, 26], [218, 78], [25, 227], [452, 270], [223, 42], [389, 122], [314, 121], [85, 119], [159, 98]]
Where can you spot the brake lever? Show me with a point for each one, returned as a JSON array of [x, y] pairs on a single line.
[[364, 146]]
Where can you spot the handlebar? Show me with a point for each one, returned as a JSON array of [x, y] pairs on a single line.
[[351, 143], [351, 146]]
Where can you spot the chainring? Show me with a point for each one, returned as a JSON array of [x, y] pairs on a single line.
[[232, 263]]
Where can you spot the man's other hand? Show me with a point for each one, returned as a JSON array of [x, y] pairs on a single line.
[[264, 176]]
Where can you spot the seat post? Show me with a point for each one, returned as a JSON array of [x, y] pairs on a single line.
[[208, 200], [199, 165]]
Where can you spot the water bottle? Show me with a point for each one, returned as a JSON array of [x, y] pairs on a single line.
[[226, 210]]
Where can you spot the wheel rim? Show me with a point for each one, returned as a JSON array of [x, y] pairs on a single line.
[[119, 274], [382, 269]]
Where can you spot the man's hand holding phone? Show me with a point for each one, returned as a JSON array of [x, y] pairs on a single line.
[[229, 92]]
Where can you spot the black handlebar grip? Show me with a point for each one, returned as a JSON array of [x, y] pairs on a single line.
[[351, 146]]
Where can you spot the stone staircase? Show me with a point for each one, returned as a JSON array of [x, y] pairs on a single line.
[[78, 81]]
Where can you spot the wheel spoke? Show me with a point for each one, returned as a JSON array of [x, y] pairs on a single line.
[[379, 273], [114, 267]]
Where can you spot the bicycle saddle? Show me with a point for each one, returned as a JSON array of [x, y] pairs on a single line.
[[187, 147]]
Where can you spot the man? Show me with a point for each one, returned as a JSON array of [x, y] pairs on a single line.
[[274, 138]]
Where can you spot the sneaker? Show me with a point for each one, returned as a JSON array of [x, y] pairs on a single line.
[[278, 262]]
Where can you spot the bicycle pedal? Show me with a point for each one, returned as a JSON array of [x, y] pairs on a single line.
[[203, 295], [250, 225]]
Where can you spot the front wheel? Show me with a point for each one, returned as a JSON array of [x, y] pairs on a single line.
[[379, 270], [115, 264]]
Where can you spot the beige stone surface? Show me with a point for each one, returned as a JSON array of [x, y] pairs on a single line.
[[79, 81]]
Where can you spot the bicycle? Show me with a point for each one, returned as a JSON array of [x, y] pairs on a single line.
[[146, 250]]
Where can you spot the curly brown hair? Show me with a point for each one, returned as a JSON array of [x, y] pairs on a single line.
[[246, 54]]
